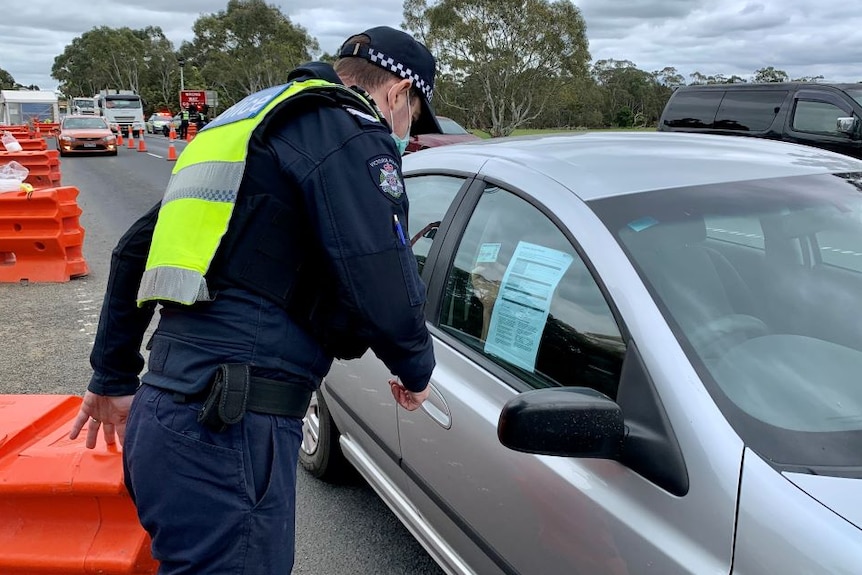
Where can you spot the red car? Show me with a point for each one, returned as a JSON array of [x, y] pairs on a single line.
[[453, 133], [85, 134]]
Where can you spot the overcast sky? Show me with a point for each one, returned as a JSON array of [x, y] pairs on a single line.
[[801, 37]]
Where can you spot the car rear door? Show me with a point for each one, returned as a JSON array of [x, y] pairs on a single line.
[[509, 512]]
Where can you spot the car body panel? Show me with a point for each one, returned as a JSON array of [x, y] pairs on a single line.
[[842, 495], [587, 162], [776, 516]]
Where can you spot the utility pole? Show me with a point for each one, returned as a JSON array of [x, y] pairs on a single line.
[[182, 63]]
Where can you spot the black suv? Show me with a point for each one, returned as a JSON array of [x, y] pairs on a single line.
[[822, 115]]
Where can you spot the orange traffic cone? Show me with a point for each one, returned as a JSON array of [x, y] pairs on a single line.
[[131, 140], [173, 133], [142, 146], [119, 138], [172, 152]]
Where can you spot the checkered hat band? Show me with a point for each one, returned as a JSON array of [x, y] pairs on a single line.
[[398, 68]]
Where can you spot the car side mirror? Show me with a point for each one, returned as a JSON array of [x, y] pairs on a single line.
[[566, 422], [849, 126]]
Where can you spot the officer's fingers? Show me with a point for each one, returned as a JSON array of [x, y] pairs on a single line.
[[78, 424], [108, 432], [121, 433], [92, 433]]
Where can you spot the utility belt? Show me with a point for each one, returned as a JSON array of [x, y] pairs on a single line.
[[234, 391]]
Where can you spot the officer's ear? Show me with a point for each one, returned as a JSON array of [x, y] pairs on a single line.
[[397, 95]]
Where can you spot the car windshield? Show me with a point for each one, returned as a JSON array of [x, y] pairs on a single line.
[[84, 124], [123, 103], [762, 284], [84, 103], [451, 126]]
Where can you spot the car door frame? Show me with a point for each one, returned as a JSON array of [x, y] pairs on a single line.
[[716, 541]]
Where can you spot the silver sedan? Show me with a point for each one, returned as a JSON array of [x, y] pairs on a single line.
[[648, 360]]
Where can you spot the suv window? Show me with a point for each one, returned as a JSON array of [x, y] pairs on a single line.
[[692, 109], [749, 110], [519, 293], [430, 198], [817, 117]]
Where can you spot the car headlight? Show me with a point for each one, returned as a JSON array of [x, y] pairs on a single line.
[[110, 139], [65, 139]]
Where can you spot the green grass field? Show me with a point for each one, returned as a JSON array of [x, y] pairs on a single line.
[[528, 132]]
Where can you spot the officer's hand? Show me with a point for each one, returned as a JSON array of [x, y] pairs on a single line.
[[109, 413], [409, 400]]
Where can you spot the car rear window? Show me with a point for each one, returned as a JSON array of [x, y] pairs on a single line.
[[749, 110], [692, 109]]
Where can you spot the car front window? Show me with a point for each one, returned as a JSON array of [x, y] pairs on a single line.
[[519, 293], [762, 284]]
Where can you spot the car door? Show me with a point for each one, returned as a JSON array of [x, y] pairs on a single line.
[[357, 390], [508, 512]]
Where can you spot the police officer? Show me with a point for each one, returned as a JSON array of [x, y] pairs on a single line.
[[280, 244], [184, 122]]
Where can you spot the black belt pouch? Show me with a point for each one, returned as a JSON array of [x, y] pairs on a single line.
[[228, 397]]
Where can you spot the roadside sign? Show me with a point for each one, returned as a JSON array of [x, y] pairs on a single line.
[[189, 97], [212, 98]]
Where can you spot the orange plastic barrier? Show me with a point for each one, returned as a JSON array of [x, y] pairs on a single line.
[[44, 166], [63, 508], [33, 145], [41, 239]]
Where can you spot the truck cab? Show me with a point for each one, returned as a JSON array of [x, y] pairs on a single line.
[[122, 109]]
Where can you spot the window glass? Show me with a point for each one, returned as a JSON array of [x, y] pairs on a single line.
[[774, 333], [519, 293], [430, 198], [742, 231], [818, 117], [749, 110], [692, 109]]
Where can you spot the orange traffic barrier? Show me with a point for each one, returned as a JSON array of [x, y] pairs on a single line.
[[191, 131], [34, 144], [44, 166], [41, 239], [142, 146], [172, 152], [65, 508]]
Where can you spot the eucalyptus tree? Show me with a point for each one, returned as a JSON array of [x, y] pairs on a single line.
[[515, 56], [249, 46]]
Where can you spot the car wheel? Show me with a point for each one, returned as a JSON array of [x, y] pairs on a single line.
[[320, 452]]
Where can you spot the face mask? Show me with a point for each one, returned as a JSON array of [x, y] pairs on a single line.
[[401, 143]]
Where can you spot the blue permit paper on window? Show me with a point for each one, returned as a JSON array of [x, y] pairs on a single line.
[[523, 303]]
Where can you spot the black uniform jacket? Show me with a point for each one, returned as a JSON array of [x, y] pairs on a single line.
[[322, 183]]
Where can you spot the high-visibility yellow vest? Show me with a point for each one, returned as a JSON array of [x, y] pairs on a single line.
[[201, 194]]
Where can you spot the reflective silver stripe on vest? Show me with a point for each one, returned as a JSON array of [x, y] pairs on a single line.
[[174, 284], [197, 181]]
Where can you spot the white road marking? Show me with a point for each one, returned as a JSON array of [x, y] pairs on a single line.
[[155, 155]]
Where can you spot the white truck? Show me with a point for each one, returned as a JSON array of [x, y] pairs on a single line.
[[123, 110], [83, 106]]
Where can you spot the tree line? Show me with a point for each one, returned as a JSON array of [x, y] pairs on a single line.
[[503, 64]]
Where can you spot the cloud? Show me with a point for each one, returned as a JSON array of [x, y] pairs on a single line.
[[802, 37]]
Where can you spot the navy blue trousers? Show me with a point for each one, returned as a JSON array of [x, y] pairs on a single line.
[[213, 503]]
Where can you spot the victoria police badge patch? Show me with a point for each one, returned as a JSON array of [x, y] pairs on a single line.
[[385, 172]]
